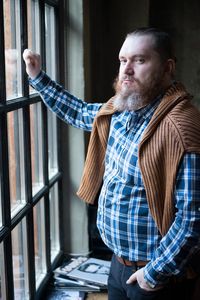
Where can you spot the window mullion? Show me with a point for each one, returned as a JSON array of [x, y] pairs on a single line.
[[31, 255], [2, 57], [42, 34], [9, 284], [5, 190], [45, 144], [24, 45], [27, 154], [28, 197]]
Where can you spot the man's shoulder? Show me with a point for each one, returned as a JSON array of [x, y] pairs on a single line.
[[185, 118], [185, 111]]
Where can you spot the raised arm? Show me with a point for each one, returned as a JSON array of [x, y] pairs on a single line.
[[67, 107]]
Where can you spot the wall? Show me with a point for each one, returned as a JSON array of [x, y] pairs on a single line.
[[181, 19], [110, 21], [74, 220]]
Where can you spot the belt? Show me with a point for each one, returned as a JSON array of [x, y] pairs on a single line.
[[136, 264]]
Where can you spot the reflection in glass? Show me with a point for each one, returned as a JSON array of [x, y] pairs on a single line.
[[52, 144], [50, 41], [12, 48], [51, 70], [33, 29], [54, 221], [20, 266], [36, 147], [39, 241], [16, 160]]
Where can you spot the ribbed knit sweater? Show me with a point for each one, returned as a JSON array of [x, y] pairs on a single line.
[[173, 130]]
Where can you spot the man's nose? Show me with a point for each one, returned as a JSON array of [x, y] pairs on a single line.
[[129, 69]]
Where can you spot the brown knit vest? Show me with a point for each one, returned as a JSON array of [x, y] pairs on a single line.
[[173, 130]]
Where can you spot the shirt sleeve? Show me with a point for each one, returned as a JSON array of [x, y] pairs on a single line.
[[182, 240], [67, 107]]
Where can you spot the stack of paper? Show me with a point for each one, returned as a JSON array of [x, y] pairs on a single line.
[[83, 274]]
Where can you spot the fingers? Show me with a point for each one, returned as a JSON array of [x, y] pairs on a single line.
[[33, 62], [28, 53], [132, 278], [30, 56]]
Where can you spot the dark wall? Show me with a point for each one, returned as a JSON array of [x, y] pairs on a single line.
[[109, 21], [181, 19]]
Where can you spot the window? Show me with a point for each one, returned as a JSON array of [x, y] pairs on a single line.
[[19, 260], [54, 221], [12, 48], [36, 147], [16, 160], [50, 29], [29, 169]]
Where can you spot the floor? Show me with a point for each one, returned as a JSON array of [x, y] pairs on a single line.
[[97, 296]]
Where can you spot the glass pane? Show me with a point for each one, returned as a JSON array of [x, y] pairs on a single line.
[[12, 48], [52, 144], [33, 25], [36, 147], [39, 241], [33, 28], [2, 277], [20, 266], [54, 221], [50, 41], [51, 70], [16, 160]]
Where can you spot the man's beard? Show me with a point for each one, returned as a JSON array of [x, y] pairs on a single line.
[[133, 98]]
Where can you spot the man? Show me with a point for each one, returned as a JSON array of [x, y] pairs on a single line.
[[144, 157]]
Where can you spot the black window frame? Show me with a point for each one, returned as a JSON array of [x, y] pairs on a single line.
[[24, 103]]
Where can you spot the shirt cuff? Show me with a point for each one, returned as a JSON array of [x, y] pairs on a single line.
[[40, 82], [153, 277]]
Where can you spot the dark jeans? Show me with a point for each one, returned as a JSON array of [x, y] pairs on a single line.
[[119, 290]]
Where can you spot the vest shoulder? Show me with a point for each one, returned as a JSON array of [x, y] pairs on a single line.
[[185, 112], [185, 118]]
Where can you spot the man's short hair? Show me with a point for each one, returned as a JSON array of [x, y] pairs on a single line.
[[162, 41]]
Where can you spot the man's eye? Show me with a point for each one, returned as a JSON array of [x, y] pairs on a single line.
[[140, 60], [122, 61]]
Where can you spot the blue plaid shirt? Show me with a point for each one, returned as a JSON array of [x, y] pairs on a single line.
[[124, 219]]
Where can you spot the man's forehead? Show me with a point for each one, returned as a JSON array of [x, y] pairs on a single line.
[[140, 44]]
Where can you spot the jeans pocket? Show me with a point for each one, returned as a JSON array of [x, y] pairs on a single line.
[[150, 295]]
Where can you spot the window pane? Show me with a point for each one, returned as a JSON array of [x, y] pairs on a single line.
[[36, 147], [52, 144], [33, 25], [2, 277], [39, 240], [12, 48], [16, 160], [54, 221], [50, 41], [33, 28], [20, 266], [51, 70]]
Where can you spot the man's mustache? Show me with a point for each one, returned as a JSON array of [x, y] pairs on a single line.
[[126, 77], [130, 78]]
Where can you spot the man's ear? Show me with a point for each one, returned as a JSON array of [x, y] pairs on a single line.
[[170, 67]]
